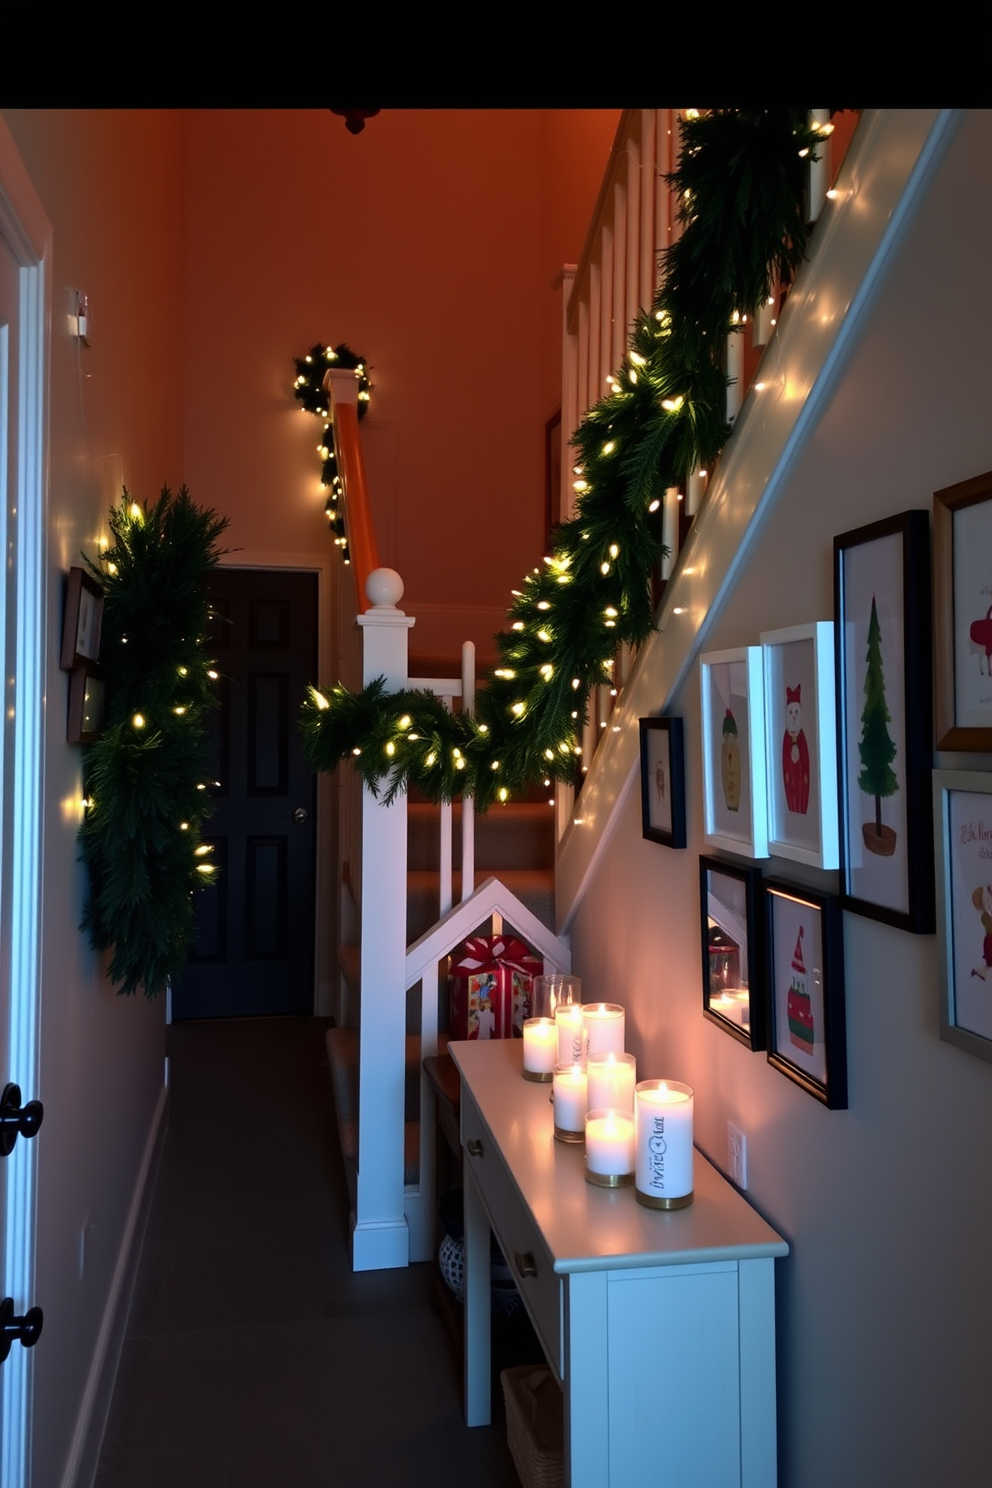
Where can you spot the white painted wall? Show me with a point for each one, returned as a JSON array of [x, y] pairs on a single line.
[[885, 1304], [109, 184]]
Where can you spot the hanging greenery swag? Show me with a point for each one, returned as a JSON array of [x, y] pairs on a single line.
[[145, 791], [740, 185], [309, 390]]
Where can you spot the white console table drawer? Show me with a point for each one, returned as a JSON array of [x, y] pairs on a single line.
[[660, 1326], [533, 1271], [482, 1159]]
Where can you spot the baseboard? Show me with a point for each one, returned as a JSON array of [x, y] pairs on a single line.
[[87, 1438], [382, 1245]]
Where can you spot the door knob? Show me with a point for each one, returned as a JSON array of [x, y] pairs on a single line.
[[17, 1120], [26, 1329], [300, 815]]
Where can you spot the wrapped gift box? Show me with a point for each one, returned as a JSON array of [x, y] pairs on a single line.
[[489, 987]]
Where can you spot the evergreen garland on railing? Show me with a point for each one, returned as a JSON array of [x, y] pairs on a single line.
[[309, 390], [740, 182], [144, 777]]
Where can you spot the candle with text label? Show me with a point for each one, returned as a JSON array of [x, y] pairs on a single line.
[[604, 1027], [663, 1138], [571, 1033]]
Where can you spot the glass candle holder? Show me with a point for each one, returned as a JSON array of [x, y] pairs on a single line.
[[610, 1148], [611, 1081], [571, 1033], [540, 1048], [554, 989], [663, 1144], [604, 1027], [569, 1095]]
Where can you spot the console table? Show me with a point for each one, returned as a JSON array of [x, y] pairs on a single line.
[[659, 1326]]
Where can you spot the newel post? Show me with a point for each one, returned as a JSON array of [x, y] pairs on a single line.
[[380, 1238]]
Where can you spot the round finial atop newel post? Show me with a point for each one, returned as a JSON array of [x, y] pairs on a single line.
[[384, 588]]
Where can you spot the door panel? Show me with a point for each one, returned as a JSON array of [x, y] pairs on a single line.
[[255, 929]]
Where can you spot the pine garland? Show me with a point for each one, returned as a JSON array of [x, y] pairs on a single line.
[[145, 792], [740, 181], [309, 390]]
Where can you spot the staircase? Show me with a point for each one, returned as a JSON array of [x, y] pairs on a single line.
[[513, 842]]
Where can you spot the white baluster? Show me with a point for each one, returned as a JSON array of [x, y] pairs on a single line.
[[468, 802]]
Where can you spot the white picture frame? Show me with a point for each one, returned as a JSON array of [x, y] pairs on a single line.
[[733, 741], [801, 743], [962, 831]]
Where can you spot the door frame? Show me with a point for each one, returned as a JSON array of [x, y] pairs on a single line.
[[325, 893], [27, 234]]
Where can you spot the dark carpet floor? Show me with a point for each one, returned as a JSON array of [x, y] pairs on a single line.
[[253, 1355]]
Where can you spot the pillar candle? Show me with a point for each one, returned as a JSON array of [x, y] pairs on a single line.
[[611, 1081], [604, 1027], [610, 1148], [540, 1048], [570, 1102], [571, 1037], [663, 1136]]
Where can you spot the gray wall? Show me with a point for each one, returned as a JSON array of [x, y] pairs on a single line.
[[885, 1303]]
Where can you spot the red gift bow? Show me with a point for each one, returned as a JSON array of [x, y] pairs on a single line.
[[490, 952]]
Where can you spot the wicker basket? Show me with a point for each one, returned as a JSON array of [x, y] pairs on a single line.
[[534, 1428]]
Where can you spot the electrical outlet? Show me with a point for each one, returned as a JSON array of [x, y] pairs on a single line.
[[84, 326], [737, 1155]]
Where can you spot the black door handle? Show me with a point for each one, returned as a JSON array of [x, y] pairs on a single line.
[[26, 1329], [17, 1120]]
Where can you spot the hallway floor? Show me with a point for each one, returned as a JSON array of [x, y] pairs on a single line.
[[253, 1355]]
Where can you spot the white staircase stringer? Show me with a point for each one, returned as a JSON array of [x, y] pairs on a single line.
[[423, 960], [888, 167]]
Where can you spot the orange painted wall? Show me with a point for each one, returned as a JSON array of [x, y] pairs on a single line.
[[429, 243]]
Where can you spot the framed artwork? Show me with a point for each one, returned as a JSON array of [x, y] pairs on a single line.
[[663, 781], [731, 938], [733, 731], [962, 614], [962, 828], [801, 743], [86, 705], [82, 621], [884, 720], [806, 1033]]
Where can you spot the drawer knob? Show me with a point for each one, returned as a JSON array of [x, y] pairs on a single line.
[[474, 1147], [525, 1263]]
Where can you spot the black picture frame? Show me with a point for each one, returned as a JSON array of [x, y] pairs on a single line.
[[732, 944], [663, 781], [86, 705], [82, 620], [884, 662], [804, 955]]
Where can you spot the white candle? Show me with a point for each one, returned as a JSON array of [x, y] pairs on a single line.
[[570, 1102], [663, 1121], [604, 1027], [540, 1048], [571, 1036], [610, 1148], [611, 1081]]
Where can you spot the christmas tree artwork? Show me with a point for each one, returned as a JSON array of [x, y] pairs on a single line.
[[876, 749]]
